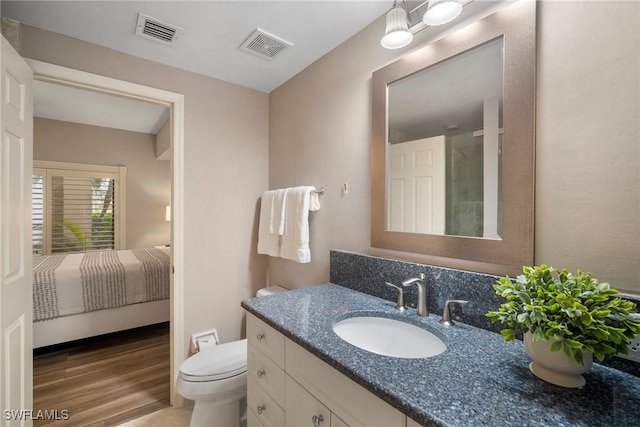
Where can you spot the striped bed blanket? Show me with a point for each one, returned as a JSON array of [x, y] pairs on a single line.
[[67, 284]]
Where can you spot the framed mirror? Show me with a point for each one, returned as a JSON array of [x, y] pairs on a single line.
[[453, 144]]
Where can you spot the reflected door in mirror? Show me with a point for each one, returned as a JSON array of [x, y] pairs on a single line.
[[417, 186]]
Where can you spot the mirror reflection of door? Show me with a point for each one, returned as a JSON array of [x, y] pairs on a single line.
[[459, 102], [417, 186]]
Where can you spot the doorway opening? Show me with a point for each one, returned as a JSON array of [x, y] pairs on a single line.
[[174, 103]]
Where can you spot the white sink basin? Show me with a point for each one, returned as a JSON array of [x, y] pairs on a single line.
[[389, 337]]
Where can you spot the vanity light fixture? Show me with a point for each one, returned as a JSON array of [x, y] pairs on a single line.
[[441, 11], [408, 17], [397, 34]]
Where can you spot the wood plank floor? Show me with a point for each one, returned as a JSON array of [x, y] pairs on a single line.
[[103, 381]]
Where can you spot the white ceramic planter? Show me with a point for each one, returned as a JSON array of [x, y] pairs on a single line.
[[555, 367]]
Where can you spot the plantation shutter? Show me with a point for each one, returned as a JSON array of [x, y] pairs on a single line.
[[81, 211], [75, 210], [37, 211]]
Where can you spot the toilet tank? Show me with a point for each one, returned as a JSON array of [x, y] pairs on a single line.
[[269, 291]]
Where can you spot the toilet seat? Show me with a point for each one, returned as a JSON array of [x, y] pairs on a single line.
[[221, 362]]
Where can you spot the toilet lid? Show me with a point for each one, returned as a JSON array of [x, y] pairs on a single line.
[[217, 363]]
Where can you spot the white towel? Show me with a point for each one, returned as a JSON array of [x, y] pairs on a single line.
[[272, 203], [277, 212], [295, 240]]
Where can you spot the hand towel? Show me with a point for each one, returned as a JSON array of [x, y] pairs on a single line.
[[268, 242], [295, 240], [277, 212]]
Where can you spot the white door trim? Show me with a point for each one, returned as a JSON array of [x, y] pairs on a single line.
[[175, 102]]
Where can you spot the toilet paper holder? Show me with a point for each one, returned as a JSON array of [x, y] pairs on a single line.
[[203, 340]]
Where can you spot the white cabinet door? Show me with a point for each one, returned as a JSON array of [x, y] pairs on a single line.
[[302, 409], [16, 163], [348, 400]]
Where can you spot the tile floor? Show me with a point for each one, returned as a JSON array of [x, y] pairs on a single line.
[[167, 417]]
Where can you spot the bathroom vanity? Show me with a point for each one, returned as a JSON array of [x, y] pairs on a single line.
[[304, 390], [301, 373]]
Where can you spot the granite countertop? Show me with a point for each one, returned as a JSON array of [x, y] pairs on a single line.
[[478, 381]]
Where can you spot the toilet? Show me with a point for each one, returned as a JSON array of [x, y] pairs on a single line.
[[216, 380]]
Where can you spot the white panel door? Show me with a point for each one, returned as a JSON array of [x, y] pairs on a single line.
[[16, 159], [416, 201]]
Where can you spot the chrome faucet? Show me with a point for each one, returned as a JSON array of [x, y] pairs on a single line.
[[422, 293]]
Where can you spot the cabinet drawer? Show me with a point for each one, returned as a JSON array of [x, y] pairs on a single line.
[[266, 339], [302, 409], [252, 420], [354, 404], [266, 373], [264, 408], [337, 422]]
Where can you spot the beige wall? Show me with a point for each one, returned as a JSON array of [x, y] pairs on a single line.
[[226, 170], [587, 195], [588, 139], [148, 179]]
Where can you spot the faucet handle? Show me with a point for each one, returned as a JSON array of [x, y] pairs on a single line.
[[446, 311], [400, 303]]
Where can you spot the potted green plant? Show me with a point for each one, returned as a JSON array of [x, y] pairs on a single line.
[[557, 310]]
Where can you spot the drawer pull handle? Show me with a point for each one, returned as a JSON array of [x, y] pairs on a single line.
[[260, 336], [316, 420], [260, 409], [260, 373]]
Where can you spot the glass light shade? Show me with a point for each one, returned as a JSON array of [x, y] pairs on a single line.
[[441, 11], [397, 32], [167, 213]]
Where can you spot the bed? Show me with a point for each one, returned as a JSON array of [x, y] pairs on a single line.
[[86, 294]]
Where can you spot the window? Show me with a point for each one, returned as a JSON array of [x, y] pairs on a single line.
[[77, 207]]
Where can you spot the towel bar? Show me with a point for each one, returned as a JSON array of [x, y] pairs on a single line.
[[320, 191]]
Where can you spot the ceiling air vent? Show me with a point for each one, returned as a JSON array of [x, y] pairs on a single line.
[[156, 30], [264, 45]]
